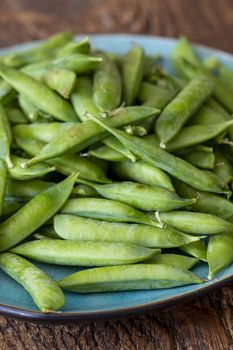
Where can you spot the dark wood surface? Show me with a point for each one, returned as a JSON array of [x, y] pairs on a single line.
[[203, 324]]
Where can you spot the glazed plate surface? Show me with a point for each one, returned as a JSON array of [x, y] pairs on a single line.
[[15, 302]]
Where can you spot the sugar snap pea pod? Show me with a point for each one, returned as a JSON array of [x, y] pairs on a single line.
[[61, 80], [46, 294], [142, 172], [115, 144], [154, 96], [41, 131], [155, 156], [84, 191], [38, 170], [201, 159], [196, 249], [182, 107], [26, 189], [175, 260], [132, 71], [3, 178], [195, 223], [42, 96], [105, 209], [223, 168], [91, 230], [39, 210], [206, 116], [16, 116], [72, 47], [9, 208], [219, 252], [183, 50], [82, 99], [128, 277], [37, 70], [140, 196], [6, 92], [5, 138], [84, 134], [42, 51], [68, 252], [107, 85], [66, 165], [32, 112], [77, 62], [107, 153], [206, 202]]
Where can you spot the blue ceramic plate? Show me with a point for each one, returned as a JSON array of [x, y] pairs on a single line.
[[16, 302]]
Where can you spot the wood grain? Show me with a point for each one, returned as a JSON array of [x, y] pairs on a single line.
[[203, 324]]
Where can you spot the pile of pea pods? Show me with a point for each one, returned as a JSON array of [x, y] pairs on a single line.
[[111, 163]]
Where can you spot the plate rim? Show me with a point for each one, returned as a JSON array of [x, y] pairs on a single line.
[[63, 317]]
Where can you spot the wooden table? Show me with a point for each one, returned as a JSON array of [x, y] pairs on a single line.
[[205, 323]]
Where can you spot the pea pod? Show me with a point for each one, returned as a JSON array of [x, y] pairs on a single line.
[[116, 145], [9, 208], [67, 252], [26, 189], [132, 71], [195, 223], [82, 99], [140, 196], [84, 134], [206, 202], [35, 213], [143, 173], [207, 116], [77, 62], [83, 46], [154, 96], [155, 156], [196, 249], [219, 252], [223, 168], [107, 153], [16, 116], [6, 92], [32, 112], [105, 209], [134, 277], [61, 80], [44, 291], [5, 138], [107, 85], [182, 107], [175, 260], [84, 191], [3, 179], [201, 158], [40, 95], [83, 229]]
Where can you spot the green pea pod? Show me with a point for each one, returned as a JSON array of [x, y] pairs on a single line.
[[5, 138], [35, 213], [107, 153], [105, 209], [37, 70], [39, 94], [206, 202], [84, 134], [78, 62], [140, 196], [143, 173], [84, 191], [44, 132], [196, 134], [223, 168], [115, 144], [48, 232], [38, 170], [84, 229], [107, 86], [207, 116], [46, 294], [9, 208], [154, 96], [196, 249], [72, 47], [82, 99], [16, 116], [6, 92], [155, 156], [66, 165], [175, 260], [201, 159], [134, 277], [182, 107], [61, 80], [67, 252], [3, 178], [26, 189], [195, 223], [42, 51], [219, 253], [132, 72]]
